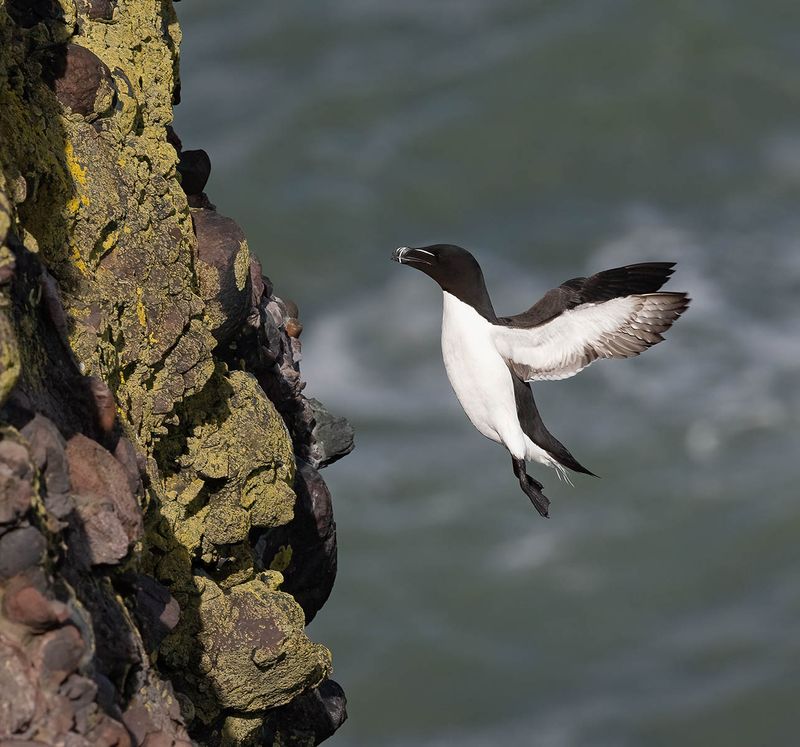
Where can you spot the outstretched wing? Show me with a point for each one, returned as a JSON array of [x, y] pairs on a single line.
[[613, 314]]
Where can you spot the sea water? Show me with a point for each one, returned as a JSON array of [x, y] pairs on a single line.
[[660, 604]]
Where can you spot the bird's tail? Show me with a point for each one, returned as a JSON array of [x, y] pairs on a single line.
[[535, 429]]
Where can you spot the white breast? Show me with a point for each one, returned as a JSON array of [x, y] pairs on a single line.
[[479, 376]]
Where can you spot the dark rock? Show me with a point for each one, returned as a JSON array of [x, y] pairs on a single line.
[[28, 13], [158, 739], [173, 139], [290, 309], [48, 454], [117, 650], [100, 530], [125, 102], [80, 690], [100, 10], [81, 724], [294, 345], [106, 694], [105, 404], [108, 518], [109, 733], [142, 723], [256, 282], [332, 437], [138, 722], [20, 549], [223, 270], [334, 706], [194, 166], [125, 453], [157, 610], [15, 496], [81, 693], [59, 505], [51, 298], [26, 604], [271, 340], [101, 480], [304, 550], [94, 317], [58, 654], [200, 201], [309, 719], [7, 266], [17, 693], [15, 456], [81, 81]]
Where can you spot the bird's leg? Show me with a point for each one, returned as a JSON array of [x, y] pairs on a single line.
[[532, 488]]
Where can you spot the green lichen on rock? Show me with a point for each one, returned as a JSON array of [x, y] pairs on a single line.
[[218, 488], [267, 638], [242, 731], [9, 354], [217, 484], [138, 296]]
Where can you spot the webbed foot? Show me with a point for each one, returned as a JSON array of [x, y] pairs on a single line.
[[532, 488]]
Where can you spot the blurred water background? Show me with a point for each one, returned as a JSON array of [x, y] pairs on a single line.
[[660, 605]]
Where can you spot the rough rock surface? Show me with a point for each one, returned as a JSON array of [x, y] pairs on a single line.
[[164, 533]]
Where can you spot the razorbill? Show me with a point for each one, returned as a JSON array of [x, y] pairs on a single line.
[[491, 360]]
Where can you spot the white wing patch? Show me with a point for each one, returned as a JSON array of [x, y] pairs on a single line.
[[619, 328]]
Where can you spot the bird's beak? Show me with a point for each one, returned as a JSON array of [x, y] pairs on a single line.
[[397, 254], [407, 256]]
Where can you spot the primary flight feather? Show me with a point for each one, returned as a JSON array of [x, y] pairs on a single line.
[[491, 360]]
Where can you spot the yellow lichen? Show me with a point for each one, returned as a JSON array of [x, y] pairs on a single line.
[[78, 174], [108, 211], [240, 730], [190, 493], [281, 559], [140, 310], [241, 265], [77, 260], [10, 365], [280, 661], [110, 240]]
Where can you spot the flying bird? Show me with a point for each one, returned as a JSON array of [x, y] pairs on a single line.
[[491, 360]]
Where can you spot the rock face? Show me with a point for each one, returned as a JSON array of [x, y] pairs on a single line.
[[164, 533]]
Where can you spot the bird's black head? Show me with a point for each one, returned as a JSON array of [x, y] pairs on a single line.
[[449, 265], [455, 270]]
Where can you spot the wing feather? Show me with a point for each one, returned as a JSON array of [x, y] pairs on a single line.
[[619, 327], [641, 278]]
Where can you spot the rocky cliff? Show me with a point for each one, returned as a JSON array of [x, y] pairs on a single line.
[[164, 532]]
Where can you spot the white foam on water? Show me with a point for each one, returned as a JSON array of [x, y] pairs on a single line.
[[377, 356], [725, 364]]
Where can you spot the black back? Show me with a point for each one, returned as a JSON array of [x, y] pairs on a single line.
[[645, 277]]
